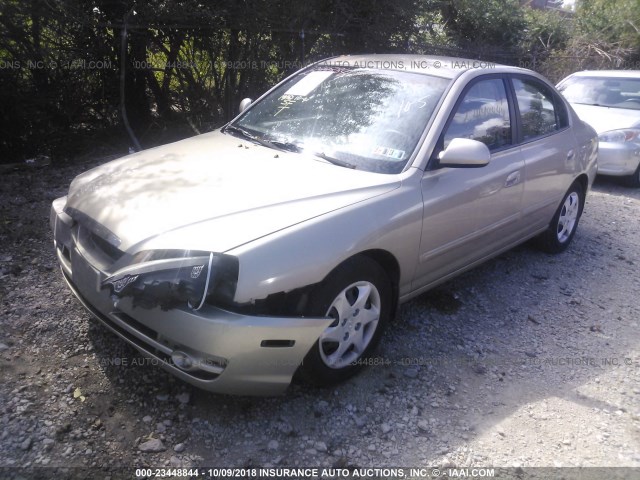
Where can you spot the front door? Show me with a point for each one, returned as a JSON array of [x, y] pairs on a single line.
[[470, 213]]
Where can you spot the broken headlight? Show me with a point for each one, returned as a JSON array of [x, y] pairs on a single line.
[[176, 278]]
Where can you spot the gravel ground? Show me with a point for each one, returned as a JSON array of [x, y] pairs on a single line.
[[528, 361]]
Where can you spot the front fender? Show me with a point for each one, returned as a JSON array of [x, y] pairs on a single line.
[[305, 253]]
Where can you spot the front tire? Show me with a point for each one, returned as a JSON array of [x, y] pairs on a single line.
[[358, 296], [564, 224]]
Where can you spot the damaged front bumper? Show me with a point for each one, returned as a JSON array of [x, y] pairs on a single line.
[[211, 348]]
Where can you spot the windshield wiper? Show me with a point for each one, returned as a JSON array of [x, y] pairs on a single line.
[[275, 144], [241, 131], [283, 145], [334, 160], [249, 136], [592, 104], [286, 146]]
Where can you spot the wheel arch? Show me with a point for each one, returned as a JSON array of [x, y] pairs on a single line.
[[379, 271], [391, 267], [549, 241], [294, 302], [583, 180]]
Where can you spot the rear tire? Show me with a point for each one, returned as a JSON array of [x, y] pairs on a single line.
[[358, 296], [564, 224]]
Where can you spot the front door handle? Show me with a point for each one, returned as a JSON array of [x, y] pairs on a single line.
[[512, 179]]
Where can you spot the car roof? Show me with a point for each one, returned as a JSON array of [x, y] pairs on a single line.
[[608, 73], [441, 66]]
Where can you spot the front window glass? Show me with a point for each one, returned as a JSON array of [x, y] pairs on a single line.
[[482, 115], [361, 118], [603, 91]]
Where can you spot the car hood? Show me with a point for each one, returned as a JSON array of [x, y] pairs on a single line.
[[604, 119], [162, 196]]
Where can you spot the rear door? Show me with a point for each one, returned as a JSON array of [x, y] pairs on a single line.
[[548, 148]]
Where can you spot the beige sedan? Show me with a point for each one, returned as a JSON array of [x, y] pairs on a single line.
[[282, 244]]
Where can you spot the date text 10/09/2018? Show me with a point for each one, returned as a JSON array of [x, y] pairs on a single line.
[[313, 473]]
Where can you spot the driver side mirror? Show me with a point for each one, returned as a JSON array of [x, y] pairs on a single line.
[[244, 104], [464, 152]]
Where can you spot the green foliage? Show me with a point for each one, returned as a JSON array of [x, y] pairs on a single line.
[[545, 37], [611, 21], [603, 35], [188, 63], [484, 22], [545, 31]]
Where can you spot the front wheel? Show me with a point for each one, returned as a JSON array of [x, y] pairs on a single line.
[[564, 224], [358, 297]]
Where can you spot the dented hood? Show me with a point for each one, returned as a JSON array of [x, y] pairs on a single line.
[[213, 192]]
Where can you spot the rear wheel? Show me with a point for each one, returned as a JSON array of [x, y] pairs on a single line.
[[357, 296], [565, 222]]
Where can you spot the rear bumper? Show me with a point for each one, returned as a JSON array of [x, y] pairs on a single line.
[[618, 159], [228, 352]]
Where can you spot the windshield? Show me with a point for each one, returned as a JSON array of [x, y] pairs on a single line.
[[603, 91], [357, 118]]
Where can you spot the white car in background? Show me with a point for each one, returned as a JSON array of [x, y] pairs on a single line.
[[609, 100]]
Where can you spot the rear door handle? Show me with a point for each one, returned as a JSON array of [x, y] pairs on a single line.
[[512, 179]]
